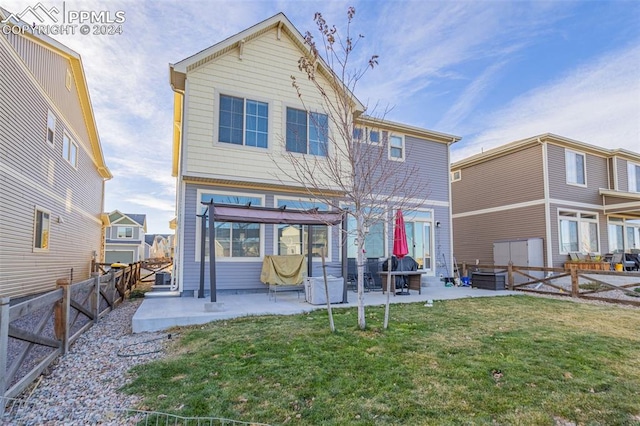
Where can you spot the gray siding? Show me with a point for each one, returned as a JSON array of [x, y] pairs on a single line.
[[510, 179], [473, 236], [431, 160], [559, 259], [596, 168], [33, 173], [623, 175], [232, 275]]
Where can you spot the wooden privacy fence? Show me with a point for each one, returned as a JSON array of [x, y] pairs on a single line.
[[35, 332], [606, 286]]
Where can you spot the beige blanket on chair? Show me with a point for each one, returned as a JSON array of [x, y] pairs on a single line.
[[283, 270]]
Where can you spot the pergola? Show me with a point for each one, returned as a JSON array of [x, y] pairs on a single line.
[[216, 212]]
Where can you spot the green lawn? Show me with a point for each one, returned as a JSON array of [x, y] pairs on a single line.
[[502, 360]]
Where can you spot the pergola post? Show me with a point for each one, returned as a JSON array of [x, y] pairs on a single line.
[[344, 257], [212, 251], [203, 233]]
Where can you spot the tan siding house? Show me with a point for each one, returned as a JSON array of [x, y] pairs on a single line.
[[575, 196], [52, 170], [215, 158]]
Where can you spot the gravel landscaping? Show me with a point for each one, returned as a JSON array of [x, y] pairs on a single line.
[[81, 388]]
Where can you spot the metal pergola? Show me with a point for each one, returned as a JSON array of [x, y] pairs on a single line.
[[216, 212]]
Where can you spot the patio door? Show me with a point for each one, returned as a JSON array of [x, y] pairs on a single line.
[[419, 230]]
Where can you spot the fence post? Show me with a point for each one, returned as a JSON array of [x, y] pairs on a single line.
[[510, 275], [95, 300], [575, 289], [61, 324], [4, 347], [464, 269]]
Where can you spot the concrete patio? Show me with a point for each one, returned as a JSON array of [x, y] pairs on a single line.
[[155, 314]]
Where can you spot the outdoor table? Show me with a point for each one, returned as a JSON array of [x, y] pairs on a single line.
[[414, 279]]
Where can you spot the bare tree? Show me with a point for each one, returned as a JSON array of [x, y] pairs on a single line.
[[352, 172]]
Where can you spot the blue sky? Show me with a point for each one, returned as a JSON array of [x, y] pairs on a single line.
[[490, 71]]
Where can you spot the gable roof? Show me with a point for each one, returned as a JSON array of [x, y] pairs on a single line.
[[117, 217], [535, 140], [81, 83]]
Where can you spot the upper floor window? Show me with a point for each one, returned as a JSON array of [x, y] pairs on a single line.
[[307, 133], [575, 168], [396, 148], [70, 150], [51, 127], [633, 173], [41, 230], [366, 135], [456, 175], [125, 232], [243, 121], [578, 232]]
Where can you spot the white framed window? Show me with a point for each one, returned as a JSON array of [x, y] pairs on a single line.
[[51, 128], [624, 234], [41, 229], [307, 132], [396, 148], [578, 232], [243, 121], [124, 232], [375, 241], [576, 167], [420, 238], [294, 239], [234, 241], [456, 175], [633, 175], [70, 150]]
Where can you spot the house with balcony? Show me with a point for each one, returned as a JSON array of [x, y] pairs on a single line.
[[125, 240], [575, 197], [236, 120], [52, 170]]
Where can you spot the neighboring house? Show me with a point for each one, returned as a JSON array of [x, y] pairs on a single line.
[[160, 245], [52, 170], [216, 156], [125, 238], [574, 196]]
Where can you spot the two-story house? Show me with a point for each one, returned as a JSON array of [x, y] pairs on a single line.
[[236, 117], [52, 170], [125, 238], [575, 197]]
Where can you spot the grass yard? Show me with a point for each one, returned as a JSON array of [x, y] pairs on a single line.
[[502, 360]]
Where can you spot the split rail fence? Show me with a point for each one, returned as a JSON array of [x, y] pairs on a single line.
[[35, 332], [606, 286]]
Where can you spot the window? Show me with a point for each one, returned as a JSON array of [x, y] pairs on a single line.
[[67, 80], [41, 230], [624, 234], [69, 150], [233, 240], [374, 243], [633, 173], [575, 168], [294, 239], [307, 133], [51, 127], [578, 232], [456, 175], [396, 148], [372, 136], [124, 232], [243, 122], [419, 229]]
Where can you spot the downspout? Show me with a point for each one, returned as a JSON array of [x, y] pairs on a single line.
[[547, 205], [453, 267]]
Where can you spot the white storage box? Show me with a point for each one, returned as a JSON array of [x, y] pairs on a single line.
[[314, 290]]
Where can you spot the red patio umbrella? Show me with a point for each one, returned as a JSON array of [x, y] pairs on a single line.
[[400, 247]]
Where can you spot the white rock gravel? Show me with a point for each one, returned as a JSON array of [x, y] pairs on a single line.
[[82, 386]]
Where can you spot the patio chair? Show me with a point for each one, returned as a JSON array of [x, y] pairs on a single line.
[[352, 276]]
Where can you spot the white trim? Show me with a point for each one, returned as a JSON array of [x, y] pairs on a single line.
[[283, 135], [499, 209], [389, 147], [579, 219], [632, 177], [118, 232], [420, 201], [199, 193], [70, 144], [245, 97], [576, 204], [34, 249], [615, 173], [277, 198], [568, 152], [452, 175], [547, 206], [432, 221]]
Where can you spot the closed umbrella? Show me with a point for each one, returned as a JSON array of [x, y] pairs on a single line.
[[400, 247]]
